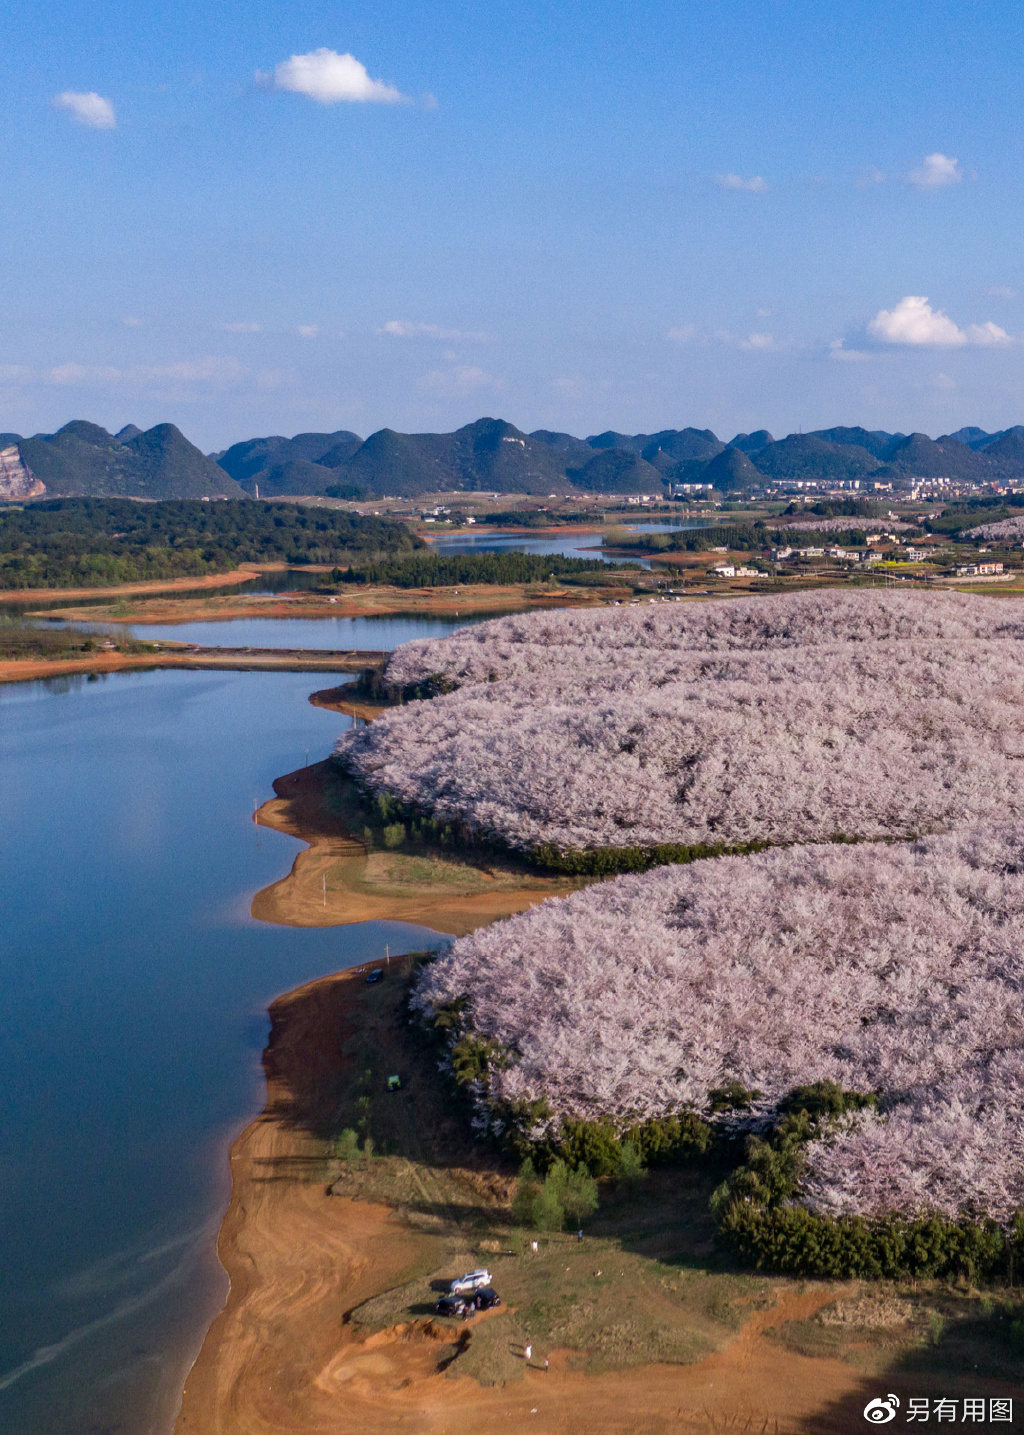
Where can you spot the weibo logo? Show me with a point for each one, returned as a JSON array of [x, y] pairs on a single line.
[[879, 1411]]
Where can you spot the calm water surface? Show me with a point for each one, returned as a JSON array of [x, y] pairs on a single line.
[[133, 995], [331, 633], [568, 545]]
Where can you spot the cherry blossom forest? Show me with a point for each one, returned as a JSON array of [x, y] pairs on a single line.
[[791, 719], [890, 965]]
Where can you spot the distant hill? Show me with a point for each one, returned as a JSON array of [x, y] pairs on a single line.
[[615, 470], [873, 441], [84, 460], [806, 457], [731, 470], [249, 461], [489, 455], [921, 457], [751, 442]]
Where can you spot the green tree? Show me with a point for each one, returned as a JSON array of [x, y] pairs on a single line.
[[548, 1213], [579, 1195], [631, 1172], [527, 1190]]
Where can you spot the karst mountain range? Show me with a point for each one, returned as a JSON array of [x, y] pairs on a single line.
[[489, 455]]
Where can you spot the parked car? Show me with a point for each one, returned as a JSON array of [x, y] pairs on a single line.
[[471, 1281], [486, 1298], [453, 1306], [375, 976]]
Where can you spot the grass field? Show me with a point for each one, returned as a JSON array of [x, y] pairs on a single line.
[[646, 1285]]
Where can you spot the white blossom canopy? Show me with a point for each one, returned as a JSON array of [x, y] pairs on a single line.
[[792, 719], [895, 969]]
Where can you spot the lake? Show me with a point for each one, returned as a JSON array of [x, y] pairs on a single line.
[[133, 1004], [334, 634]]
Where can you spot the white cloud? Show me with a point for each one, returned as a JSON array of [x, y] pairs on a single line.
[[131, 322], [764, 313], [915, 322], [846, 356], [69, 375], [87, 109], [754, 185], [241, 328], [1000, 291], [461, 380], [683, 335], [758, 342], [203, 371], [942, 381], [328, 78], [406, 329], [274, 378], [936, 171], [214, 370], [869, 175], [987, 335], [309, 331]]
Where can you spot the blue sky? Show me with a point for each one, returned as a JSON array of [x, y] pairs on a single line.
[[596, 215]]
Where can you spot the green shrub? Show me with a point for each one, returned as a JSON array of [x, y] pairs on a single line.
[[394, 834], [795, 1241], [346, 1146]]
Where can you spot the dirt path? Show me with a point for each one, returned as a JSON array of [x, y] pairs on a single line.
[[282, 1357]]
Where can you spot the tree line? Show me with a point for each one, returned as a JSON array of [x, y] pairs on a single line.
[[445, 570], [95, 542]]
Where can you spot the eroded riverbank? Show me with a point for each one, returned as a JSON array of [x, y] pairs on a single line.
[[307, 1342], [336, 881]]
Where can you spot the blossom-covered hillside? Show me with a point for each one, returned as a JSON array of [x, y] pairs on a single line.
[[643, 641], [895, 969], [1006, 530], [794, 719], [843, 525]]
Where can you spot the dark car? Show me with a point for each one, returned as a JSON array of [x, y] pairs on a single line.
[[376, 975], [486, 1298], [454, 1306]]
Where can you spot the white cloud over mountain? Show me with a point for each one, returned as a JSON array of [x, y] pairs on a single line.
[[330, 78], [914, 322], [87, 108]]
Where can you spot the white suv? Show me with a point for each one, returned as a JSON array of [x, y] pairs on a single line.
[[471, 1281]]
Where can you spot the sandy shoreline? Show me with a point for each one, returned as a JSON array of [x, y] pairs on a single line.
[[244, 573], [284, 1356], [336, 882], [359, 602]]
